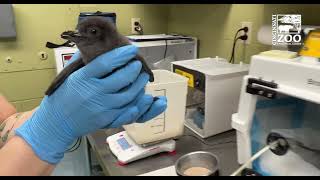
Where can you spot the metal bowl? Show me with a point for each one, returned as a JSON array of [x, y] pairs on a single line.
[[198, 159]]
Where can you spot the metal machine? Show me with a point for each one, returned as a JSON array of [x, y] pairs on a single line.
[[213, 93], [280, 96], [159, 50]]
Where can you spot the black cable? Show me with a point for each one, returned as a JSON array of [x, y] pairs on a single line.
[[165, 50], [300, 144], [233, 50], [75, 146], [235, 36], [307, 148], [245, 29], [139, 29], [243, 37], [234, 39], [72, 148], [207, 144]]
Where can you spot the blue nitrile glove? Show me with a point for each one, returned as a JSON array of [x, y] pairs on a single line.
[[144, 105], [85, 102]]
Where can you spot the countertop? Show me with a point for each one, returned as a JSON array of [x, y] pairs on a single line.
[[222, 145]]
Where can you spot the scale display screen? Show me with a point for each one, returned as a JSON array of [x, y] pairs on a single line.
[[124, 143]]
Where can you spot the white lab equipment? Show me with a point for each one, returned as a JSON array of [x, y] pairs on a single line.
[[126, 150], [140, 140], [62, 56], [158, 50], [169, 124], [213, 93], [280, 96]]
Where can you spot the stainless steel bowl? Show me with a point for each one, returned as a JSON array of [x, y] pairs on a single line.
[[198, 159]]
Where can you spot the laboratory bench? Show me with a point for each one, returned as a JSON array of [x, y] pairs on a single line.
[[222, 145]]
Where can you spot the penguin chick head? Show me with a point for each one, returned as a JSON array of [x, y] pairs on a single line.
[[90, 30], [94, 36]]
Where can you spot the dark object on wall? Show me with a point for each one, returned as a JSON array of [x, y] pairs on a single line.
[[51, 45], [108, 15], [7, 22]]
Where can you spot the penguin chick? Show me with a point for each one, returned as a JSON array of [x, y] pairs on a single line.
[[94, 36]]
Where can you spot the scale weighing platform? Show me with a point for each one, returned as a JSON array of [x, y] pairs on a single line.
[[126, 150]]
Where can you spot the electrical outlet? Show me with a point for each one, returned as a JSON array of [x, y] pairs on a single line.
[[43, 55], [249, 25], [133, 21], [8, 59]]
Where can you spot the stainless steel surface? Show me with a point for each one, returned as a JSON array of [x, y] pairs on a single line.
[[226, 152], [197, 159]]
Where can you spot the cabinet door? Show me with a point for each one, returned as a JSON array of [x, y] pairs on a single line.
[[7, 22]]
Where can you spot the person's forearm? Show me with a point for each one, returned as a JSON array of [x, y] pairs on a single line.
[[48, 171], [18, 158], [8, 126], [6, 109]]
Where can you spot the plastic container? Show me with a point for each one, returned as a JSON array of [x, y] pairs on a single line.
[[169, 124]]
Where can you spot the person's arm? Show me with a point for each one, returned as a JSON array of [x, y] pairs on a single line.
[[17, 158], [6, 109], [85, 102], [17, 152], [9, 125]]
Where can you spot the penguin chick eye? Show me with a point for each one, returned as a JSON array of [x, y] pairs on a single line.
[[93, 31]]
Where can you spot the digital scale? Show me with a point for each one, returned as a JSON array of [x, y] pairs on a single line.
[[126, 150]]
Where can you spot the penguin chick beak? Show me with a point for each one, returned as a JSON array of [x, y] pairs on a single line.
[[71, 35]]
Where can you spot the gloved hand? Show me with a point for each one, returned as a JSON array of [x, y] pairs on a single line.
[[85, 102], [157, 108]]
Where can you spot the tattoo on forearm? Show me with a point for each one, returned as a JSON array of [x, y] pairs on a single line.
[[2, 126], [4, 137]]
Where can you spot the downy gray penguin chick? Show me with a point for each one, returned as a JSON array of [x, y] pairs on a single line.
[[95, 36]]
